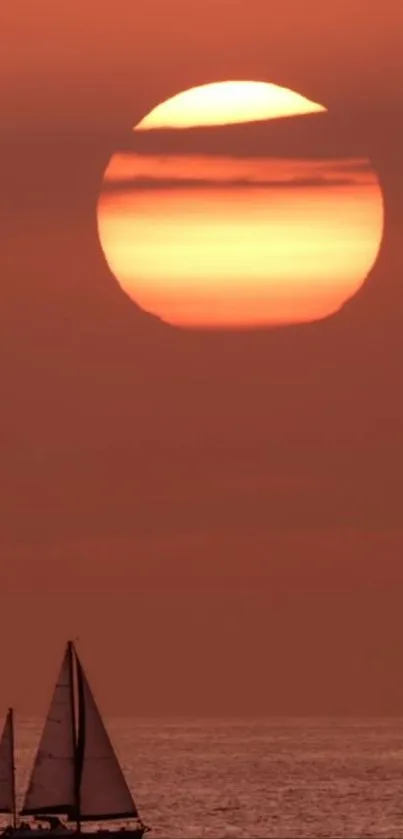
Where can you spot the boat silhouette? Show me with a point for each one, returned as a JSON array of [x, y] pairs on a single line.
[[76, 778]]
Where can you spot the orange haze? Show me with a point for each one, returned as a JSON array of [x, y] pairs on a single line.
[[217, 516]]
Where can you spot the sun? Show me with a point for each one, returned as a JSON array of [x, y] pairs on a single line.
[[207, 223], [227, 103]]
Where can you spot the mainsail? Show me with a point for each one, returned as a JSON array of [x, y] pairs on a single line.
[[51, 788], [104, 793], [7, 785]]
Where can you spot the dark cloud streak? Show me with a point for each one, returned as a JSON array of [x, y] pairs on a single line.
[[141, 184]]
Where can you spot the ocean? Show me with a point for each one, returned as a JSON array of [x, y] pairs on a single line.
[[256, 778]]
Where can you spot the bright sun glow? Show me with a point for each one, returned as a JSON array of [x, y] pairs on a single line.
[[226, 103], [220, 257]]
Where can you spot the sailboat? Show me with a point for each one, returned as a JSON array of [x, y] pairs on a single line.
[[7, 770], [76, 772]]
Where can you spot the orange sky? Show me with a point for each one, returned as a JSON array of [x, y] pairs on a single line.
[[129, 55], [192, 506]]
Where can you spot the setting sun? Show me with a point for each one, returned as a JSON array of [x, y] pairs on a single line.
[[207, 228]]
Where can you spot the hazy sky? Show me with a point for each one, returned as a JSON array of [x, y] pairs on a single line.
[[217, 517]]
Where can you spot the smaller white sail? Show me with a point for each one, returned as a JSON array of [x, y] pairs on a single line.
[[7, 766], [104, 793], [52, 784]]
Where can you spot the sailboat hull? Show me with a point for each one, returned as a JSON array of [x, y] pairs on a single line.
[[43, 833]]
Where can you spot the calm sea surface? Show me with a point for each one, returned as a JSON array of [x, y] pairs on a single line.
[[263, 778]]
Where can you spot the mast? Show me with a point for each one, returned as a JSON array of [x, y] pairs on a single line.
[[13, 796], [77, 773]]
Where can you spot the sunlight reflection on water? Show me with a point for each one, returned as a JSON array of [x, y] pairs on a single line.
[[263, 778]]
